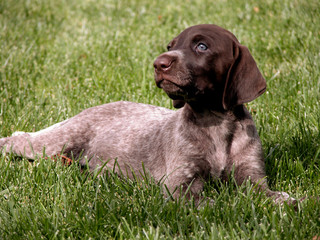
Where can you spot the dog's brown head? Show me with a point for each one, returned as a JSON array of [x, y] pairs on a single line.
[[206, 66]]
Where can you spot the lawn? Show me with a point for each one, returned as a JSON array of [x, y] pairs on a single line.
[[60, 57]]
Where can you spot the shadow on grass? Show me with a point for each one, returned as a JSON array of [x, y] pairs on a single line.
[[296, 157]]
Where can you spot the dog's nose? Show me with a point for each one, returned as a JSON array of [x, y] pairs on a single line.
[[163, 63]]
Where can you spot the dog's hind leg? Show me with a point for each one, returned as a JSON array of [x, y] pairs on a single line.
[[50, 141]]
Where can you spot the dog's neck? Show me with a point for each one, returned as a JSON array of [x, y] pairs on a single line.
[[208, 117]]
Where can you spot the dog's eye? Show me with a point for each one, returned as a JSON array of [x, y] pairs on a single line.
[[168, 48], [202, 47]]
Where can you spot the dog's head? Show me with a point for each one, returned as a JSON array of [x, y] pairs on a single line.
[[206, 66]]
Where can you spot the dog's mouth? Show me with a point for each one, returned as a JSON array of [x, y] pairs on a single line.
[[177, 87], [173, 90]]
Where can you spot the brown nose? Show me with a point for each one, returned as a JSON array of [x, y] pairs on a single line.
[[163, 63]]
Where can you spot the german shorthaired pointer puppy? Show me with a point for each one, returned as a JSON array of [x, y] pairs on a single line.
[[209, 75]]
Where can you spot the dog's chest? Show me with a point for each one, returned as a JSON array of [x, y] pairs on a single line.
[[206, 150], [217, 150]]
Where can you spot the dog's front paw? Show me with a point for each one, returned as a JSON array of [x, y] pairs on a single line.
[[281, 197]]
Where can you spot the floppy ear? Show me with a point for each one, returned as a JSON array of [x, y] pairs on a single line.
[[244, 81]]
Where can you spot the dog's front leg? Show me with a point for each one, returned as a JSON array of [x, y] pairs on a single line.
[[249, 165], [182, 185]]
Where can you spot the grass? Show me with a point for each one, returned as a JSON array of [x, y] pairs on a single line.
[[60, 57]]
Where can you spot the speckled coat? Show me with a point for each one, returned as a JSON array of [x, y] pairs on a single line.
[[207, 73]]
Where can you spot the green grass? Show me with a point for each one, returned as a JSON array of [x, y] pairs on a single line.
[[60, 57]]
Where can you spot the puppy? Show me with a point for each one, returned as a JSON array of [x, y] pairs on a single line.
[[209, 75]]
